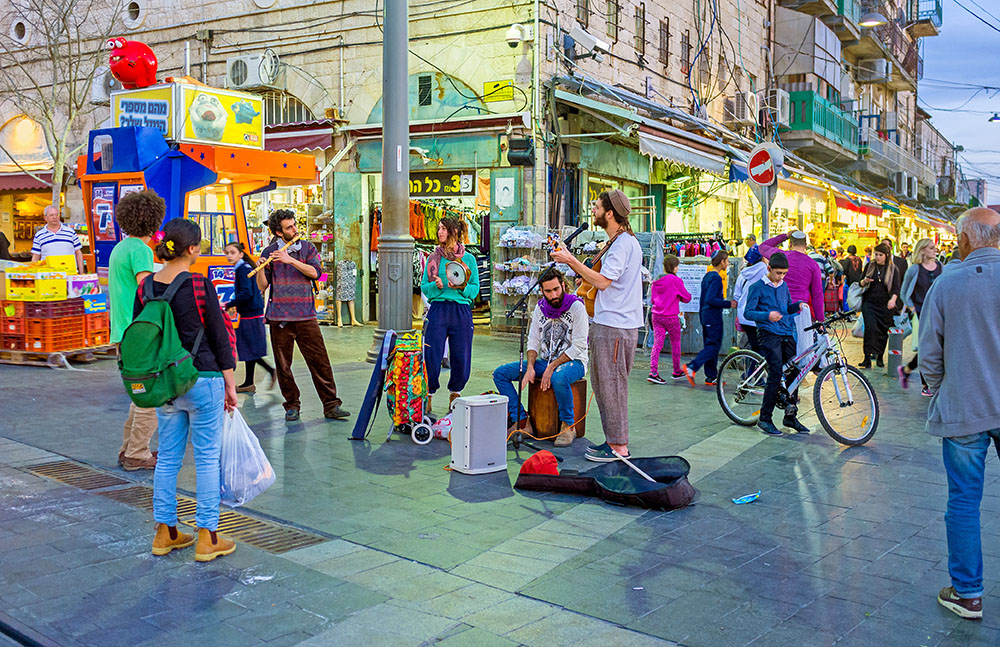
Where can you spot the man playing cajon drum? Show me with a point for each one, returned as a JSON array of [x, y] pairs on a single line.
[[557, 349]]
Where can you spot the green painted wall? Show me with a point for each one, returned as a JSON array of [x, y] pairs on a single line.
[[455, 151], [605, 158]]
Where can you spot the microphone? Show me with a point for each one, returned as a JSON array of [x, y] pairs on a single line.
[[585, 226]]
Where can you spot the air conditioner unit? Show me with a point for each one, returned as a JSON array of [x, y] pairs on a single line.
[[898, 181], [252, 71], [933, 193], [890, 121], [779, 106], [745, 109], [104, 84], [873, 70]]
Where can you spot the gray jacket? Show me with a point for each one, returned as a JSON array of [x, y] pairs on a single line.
[[962, 308]]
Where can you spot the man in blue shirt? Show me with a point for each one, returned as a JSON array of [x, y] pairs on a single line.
[[712, 303], [769, 304]]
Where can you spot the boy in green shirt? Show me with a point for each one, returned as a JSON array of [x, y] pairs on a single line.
[[139, 216]]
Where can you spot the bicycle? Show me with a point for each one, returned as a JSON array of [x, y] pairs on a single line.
[[845, 401]]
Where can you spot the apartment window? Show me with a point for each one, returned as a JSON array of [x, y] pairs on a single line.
[[705, 66], [583, 13], [665, 42], [424, 90], [614, 8], [686, 52], [723, 72], [640, 29]]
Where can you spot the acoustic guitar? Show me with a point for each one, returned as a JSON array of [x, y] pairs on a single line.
[[586, 291]]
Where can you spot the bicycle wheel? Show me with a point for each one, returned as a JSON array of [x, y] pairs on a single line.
[[846, 404], [741, 386]]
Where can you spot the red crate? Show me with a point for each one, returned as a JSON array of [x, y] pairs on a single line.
[[47, 328], [18, 307], [12, 326], [12, 342], [68, 341], [53, 309], [98, 338], [96, 322]]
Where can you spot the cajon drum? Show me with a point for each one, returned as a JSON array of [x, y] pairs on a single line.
[[544, 412]]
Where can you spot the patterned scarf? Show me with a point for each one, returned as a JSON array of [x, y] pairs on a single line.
[[434, 260]]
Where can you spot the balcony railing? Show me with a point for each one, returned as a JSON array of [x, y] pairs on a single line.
[[850, 9], [894, 38], [812, 112], [930, 10], [894, 157]]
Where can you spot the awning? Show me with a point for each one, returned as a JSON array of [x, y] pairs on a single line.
[[672, 151], [299, 142], [871, 210], [25, 182]]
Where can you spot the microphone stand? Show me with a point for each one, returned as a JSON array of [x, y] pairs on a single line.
[[518, 438]]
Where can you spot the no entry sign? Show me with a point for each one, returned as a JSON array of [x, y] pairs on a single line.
[[761, 167]]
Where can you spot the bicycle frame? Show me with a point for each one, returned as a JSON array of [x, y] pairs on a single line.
[[806, 361]]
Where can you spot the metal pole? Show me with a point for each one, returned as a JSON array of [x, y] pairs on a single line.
[[395, 247], [765, 205]]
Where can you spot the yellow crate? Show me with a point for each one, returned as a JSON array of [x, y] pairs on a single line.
[[35, 286], [62, 263]]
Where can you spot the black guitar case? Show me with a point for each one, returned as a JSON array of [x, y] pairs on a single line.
[[619, 484]]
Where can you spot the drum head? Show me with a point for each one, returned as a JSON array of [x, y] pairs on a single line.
[[456, 273]]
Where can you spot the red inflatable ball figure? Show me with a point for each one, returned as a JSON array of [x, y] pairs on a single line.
[[132, 63]]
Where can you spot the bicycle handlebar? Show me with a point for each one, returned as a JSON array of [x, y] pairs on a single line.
[[832, 319]]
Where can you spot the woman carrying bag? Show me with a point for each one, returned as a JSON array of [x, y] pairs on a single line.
[[916, 283], [204, 331], [879, 304], [450, 316]]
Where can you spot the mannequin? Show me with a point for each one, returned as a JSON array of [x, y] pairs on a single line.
[[347, 272]]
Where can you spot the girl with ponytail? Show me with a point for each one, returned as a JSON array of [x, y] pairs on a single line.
[[251, 338]]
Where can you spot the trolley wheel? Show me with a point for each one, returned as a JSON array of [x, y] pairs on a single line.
[[422, 434]]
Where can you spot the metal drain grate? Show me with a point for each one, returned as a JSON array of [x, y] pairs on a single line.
[[79, 476], [266, 535]]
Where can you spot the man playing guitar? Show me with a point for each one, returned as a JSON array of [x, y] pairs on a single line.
[[617, 318]]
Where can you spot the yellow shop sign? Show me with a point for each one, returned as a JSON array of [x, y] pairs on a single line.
[[193, 113]]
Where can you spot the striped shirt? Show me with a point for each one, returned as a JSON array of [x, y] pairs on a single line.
[[292, 297], [64, 242]]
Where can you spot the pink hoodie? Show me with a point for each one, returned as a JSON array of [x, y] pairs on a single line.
[[666, 294]]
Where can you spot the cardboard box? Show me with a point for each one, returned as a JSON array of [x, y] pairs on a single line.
[[35, 286], [62, 263], [82, 285]]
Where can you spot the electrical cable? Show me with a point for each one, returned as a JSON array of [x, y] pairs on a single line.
[[694, 95], [978, 17]]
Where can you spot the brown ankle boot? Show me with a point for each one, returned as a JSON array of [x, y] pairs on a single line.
[[168, 538], [211, 545], [451, 400], [566, 436]]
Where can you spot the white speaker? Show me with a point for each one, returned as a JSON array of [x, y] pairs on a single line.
[[479, 434]]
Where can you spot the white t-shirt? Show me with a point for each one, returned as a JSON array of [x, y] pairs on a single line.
[[620, 305]]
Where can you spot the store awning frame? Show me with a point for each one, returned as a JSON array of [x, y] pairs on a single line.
[[673, 151]]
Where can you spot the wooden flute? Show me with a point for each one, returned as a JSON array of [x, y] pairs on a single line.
[[268, 259]]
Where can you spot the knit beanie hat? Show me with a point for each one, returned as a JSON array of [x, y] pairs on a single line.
[[620, 203], [779, 261]]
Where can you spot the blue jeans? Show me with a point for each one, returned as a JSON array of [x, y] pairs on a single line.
[[200, 412], [506, 377], [965, 464], [709, 355]]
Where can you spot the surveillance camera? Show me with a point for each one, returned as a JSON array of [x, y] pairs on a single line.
[[515, 35], [587, 41]]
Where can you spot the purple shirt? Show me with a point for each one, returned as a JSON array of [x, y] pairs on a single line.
[[804, 278], [291, 297]]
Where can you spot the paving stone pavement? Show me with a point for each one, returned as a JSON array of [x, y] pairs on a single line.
[[845, 546]]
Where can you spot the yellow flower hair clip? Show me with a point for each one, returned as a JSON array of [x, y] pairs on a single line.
[[170, 245]]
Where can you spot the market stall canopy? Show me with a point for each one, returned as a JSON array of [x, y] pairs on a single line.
[[22, 147], [25, 182], [301, 137], [673, 151]]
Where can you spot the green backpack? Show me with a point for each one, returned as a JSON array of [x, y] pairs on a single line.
[[155, 367]]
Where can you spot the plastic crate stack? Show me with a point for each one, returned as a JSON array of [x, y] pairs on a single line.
[[44, 326]]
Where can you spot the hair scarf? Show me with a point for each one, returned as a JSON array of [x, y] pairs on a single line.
[[434, 260], [553, 312]]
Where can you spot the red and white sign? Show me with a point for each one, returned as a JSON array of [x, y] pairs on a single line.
[[761, 167]]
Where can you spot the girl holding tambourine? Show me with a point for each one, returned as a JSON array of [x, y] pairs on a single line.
[[451, 284]]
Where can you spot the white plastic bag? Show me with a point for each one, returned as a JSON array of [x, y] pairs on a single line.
[[859, 328], [854, 296], [245, 470]]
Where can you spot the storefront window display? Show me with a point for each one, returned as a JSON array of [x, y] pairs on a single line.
[[258, 206]]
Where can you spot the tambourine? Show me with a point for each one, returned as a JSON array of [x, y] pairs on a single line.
[[457, 273]]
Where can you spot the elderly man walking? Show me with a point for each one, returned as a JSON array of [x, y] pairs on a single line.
[[959, 353]]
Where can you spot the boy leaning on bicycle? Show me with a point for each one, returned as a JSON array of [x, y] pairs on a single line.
[[769, 304]]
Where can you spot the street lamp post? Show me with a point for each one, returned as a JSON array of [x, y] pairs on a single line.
[[395, 246]]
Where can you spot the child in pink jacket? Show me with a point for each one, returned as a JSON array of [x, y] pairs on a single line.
[[666, 295]]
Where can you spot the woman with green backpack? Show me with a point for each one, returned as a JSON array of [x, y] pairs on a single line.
[[197, 412]]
